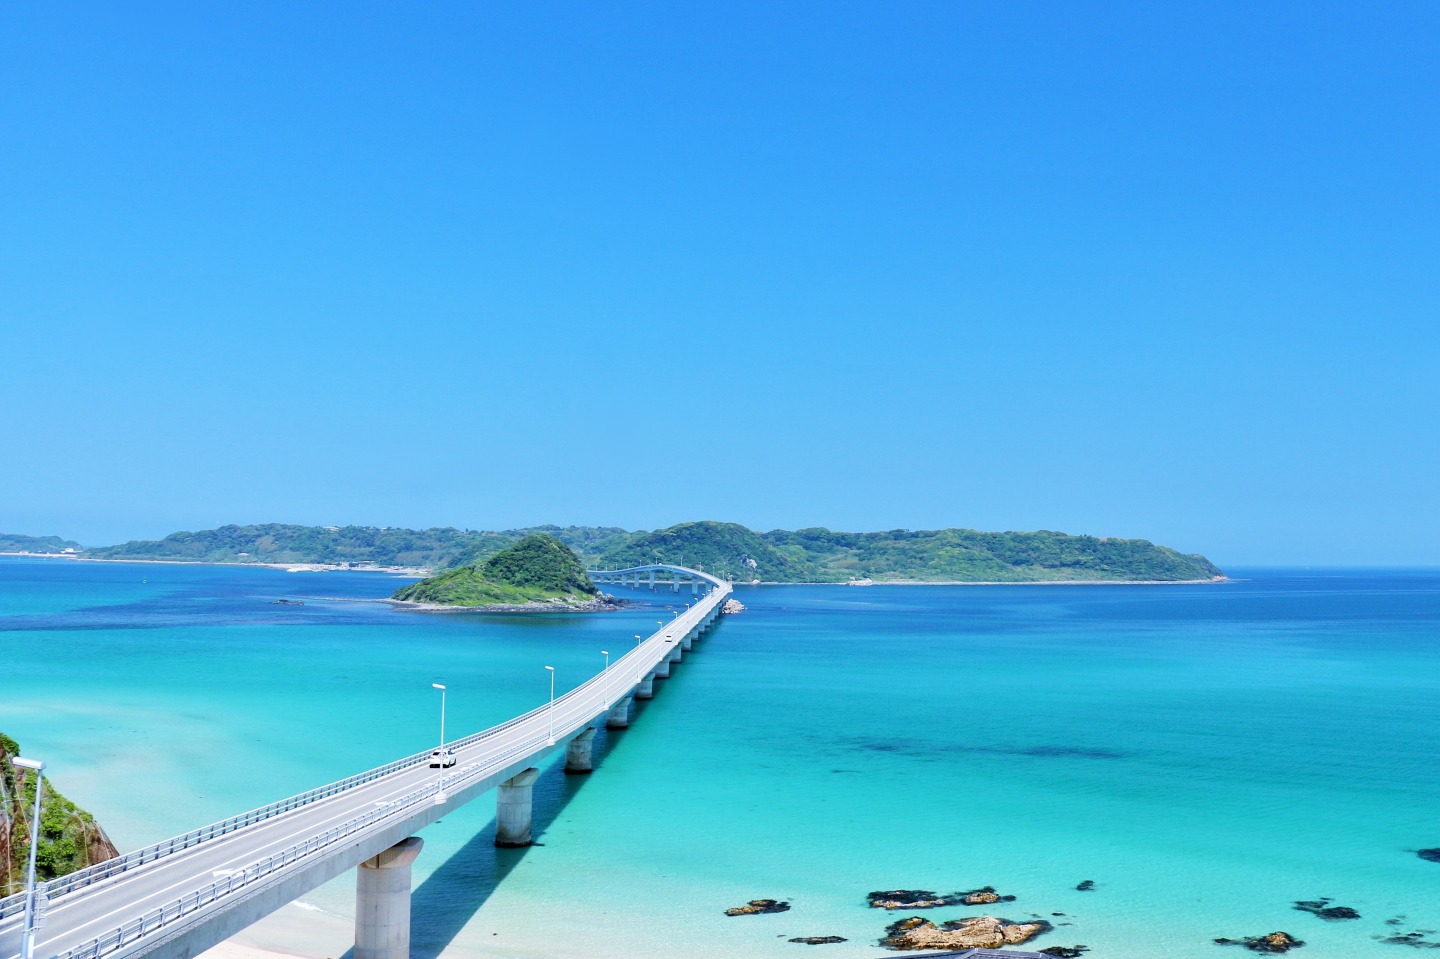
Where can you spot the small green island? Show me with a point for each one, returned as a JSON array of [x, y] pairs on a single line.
[[539, 573]]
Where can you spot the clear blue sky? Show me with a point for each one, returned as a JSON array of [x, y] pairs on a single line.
[[1149, 269]]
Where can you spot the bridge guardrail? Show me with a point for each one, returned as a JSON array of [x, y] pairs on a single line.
[[12, 905], [185, 905]]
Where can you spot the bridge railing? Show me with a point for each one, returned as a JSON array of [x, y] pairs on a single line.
[[15, 904], [183, 906], [189, 903]]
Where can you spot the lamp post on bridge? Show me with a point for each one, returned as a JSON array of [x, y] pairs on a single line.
[[27, 935], [551, 712], [441, 687], [607, 677], [637, 640]]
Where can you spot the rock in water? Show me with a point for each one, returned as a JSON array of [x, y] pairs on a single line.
[[1322, 908], [732, 606], [1086, 886], [1276, 942], [981, 932], [757, 906], [1429, 855], [819, 940], [1065, 952], [925, 899]]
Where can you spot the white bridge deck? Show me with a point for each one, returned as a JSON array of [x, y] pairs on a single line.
[[176, 898]]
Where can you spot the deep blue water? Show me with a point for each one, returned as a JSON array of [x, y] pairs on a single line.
[[1207, 755]]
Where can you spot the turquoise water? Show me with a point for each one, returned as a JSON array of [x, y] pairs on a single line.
[[1206, 755]]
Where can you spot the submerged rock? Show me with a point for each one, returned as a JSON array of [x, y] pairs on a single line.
[[926, 899], [1322, 908], [981, 932], [819, 940], [1276, 942], [757, 906], [1429, 855], [1065, 952], [1086, 886]]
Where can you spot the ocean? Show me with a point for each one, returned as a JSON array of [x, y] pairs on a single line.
[[1206, 756]]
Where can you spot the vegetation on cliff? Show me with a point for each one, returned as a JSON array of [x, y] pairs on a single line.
[[727, 549], [70, 838], [538, 569]]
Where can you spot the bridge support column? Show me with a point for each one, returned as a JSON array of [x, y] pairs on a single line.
[[513, 808], [577, 754], [646, 689], [652, 581], [677, 654], [694, 587], [662, 669], [687, 642], [619, 715], [382, 902]]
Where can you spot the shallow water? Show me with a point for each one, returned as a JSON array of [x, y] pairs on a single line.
[[1207, 755]]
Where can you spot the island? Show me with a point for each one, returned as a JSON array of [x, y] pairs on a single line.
[[539, 573], [728, 550]]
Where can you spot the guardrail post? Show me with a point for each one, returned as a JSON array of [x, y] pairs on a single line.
[[382, 902], [513, 807], [577, 753]]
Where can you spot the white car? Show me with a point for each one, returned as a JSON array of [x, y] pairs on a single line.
[[442, 758]]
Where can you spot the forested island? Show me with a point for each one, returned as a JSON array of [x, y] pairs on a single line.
[[814, 555], [539, 572]]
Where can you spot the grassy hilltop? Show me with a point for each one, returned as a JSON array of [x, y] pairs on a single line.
[[538, 569]]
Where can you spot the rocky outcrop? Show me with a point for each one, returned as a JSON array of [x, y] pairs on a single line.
[[819, 940], [1087, 885], [1276, 942], [925, 899], [732, 606], [70, 838], [756, 907], [981, 932], [1322, 908]]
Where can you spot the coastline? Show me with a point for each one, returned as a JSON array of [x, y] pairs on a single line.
[[1214, 580], [417, 571]]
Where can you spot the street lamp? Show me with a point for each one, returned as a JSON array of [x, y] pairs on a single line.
[[551, 712], [607, 677], [27, 936], [637, 640], [441, 687]]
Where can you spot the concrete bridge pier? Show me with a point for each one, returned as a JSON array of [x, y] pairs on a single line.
[[676, 655], [694, 587], [662, 669], [577, 754], [646, 689], [513, 808], [687, 642], [619, 715], [652, 581], [382, 902]]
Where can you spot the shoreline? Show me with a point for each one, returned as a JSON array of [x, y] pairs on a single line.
[[1214, 580], [419, 572]]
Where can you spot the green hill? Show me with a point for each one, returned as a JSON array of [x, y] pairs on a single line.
[[805, 555], [70, 838], [19, 543], [726, 549], [538, 569]]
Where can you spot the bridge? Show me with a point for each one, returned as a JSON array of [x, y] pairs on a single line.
[[176, 898]]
